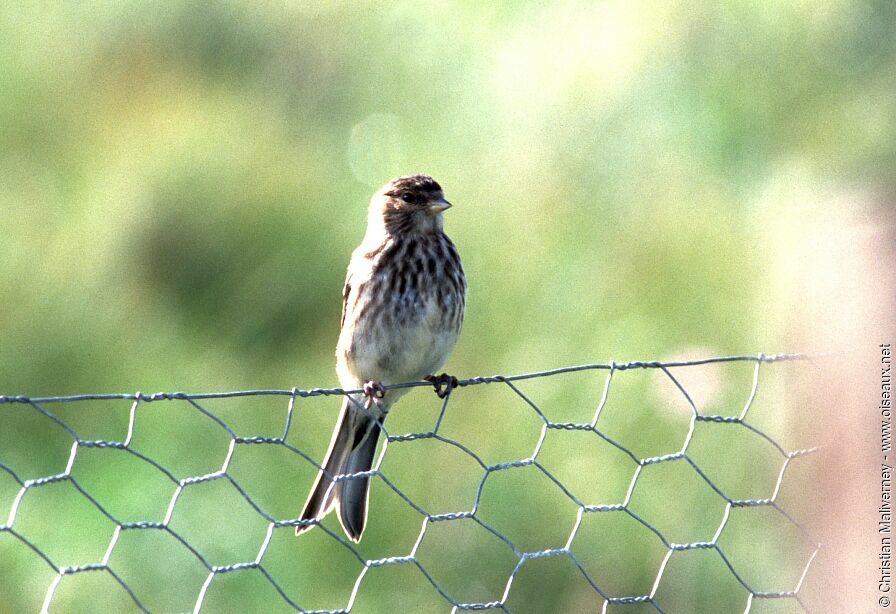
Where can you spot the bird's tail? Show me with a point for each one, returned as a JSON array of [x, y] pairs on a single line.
[[352, 448]]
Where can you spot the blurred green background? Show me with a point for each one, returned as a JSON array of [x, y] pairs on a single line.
[[181, 186]]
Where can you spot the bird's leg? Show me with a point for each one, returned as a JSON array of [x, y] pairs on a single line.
[[374, 391], [443, 384]]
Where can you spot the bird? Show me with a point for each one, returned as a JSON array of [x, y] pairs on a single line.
[[402, 310]]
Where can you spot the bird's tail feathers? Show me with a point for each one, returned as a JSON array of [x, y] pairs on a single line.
[[351, 450], [352, 495]]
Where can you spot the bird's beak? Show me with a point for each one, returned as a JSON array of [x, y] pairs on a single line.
[[437, 206]]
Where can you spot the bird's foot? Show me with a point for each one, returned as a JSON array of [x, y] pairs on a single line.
[[443, 384], [374, 391]]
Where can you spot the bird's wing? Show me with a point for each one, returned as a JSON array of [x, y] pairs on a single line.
[[346, 290]]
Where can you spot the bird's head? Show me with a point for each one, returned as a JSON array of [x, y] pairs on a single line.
[[411, 204]]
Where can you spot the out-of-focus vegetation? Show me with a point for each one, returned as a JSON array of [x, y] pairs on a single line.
[[181, 185]]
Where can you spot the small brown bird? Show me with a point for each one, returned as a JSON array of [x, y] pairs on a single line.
[[402, 309]]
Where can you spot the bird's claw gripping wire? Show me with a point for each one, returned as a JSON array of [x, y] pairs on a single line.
[[374, 391], [443, 384]]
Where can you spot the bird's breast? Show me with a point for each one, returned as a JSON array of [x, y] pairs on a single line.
[[403, 316]]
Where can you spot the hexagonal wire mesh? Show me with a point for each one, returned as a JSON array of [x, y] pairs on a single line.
[[195, 550]]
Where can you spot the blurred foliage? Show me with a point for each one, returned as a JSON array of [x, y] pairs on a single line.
[[181, 185]]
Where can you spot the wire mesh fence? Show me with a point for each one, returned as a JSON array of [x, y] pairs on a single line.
[[126, 520]]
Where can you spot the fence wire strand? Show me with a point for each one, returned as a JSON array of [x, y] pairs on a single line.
[[39, 404]]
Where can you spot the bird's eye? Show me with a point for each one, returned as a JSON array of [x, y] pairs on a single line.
[[410, 197]]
